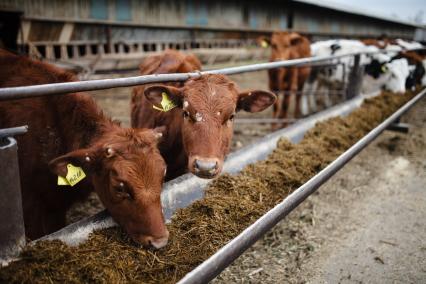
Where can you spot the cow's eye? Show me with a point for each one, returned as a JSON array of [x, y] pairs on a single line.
[[185, 114], [231, 118]]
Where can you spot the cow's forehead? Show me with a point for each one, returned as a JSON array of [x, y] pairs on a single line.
[[128, 139], [214, 93], [281, 38]]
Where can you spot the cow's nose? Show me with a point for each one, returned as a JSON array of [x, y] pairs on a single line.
[[154, 242], [207, 166], [158, 243]]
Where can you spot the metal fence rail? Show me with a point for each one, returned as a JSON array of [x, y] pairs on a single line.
[[71, 87], [228, 253]]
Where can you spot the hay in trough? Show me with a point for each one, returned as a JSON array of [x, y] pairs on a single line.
[[232, 203]]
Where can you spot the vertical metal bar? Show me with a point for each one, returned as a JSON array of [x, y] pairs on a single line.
[[64, 52], [12, 231], [355, 78]]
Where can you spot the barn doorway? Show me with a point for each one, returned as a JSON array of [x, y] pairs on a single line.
[[9, 29]]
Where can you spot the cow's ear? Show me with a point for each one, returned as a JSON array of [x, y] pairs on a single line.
[[295, 39], [155, 94], [160, 132], [255, 101], [264, 41], [84, 158]]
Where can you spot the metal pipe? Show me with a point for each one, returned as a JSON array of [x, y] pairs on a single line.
[[7, 132], [228, 253], [71, 87], [264, 120], [12, 231]]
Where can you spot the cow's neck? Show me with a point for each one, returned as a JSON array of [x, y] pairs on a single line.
[[82, 121]]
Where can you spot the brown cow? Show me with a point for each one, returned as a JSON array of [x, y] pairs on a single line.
[[290, 81], [375, 42], [122, 165], [200, 128]]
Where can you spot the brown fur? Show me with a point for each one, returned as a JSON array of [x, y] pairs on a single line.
[[214, 97], [73, 126], [375, 42], [286, 46]]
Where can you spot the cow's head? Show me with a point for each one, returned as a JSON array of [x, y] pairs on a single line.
[[398, 73], [208, 106], [376, 68], [127, 172], [281, 43]]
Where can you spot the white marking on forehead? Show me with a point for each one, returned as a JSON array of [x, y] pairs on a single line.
[[185, 104], [218, 113], [198, 117], [213, 93]]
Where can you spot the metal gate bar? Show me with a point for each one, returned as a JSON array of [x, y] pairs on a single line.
[[228, 253], [72, 87]]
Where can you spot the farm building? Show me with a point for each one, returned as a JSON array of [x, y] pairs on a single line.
[[74, 28]]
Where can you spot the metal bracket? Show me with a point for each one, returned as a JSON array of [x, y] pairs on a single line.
[[399, 127]]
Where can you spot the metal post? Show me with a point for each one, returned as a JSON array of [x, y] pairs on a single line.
[[12, 230], [355, 78]]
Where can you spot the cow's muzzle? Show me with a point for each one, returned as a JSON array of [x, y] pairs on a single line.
[[206, 168], [151, 241]]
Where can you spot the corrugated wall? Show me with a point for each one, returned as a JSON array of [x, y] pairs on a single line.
[[178, 17]]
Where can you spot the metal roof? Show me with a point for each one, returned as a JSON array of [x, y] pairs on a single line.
[[355, 11]]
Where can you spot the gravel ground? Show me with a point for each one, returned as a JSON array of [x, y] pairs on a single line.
[[365, 225]]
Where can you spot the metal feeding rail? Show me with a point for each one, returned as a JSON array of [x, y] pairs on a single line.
[[228, 253], [72, 87]]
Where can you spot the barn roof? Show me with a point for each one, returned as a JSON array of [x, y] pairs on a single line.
[[355, 11]]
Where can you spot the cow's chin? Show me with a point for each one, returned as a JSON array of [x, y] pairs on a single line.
[[206, 175]]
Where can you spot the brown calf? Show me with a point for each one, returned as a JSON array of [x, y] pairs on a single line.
[[290, 81], [199, 130], [122, 165]]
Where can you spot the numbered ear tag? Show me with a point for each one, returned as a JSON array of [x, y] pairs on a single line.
[[264, 43], [166, 103], [74, 176], [62, 181]]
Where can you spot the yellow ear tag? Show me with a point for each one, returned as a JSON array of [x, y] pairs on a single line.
[[166, 103], [74, 176], [62, 181], [264, 44]]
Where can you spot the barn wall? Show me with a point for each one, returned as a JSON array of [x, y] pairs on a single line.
[[169, 19]]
